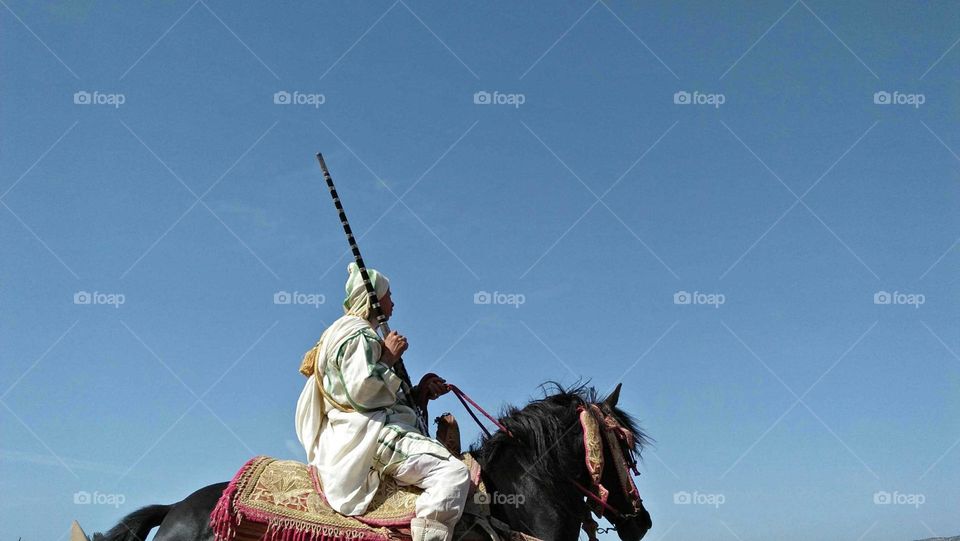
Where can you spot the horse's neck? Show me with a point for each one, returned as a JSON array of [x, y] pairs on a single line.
[[544, 513]]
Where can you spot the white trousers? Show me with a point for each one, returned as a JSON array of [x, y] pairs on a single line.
[[445, 483]]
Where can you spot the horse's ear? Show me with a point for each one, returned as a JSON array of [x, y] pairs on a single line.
[[614, 396]]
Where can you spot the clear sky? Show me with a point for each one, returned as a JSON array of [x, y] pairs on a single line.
[[706, 201]]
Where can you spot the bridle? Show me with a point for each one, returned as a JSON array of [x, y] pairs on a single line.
[[600, 427]]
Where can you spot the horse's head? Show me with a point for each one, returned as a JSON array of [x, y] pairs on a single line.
[[563, 451], [622, 443]]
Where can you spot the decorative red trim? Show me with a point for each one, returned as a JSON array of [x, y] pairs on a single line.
[[223, 516]]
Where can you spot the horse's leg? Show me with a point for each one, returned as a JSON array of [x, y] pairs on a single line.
[[189, 520]]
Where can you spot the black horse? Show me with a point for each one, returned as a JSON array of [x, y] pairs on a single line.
[[537, 464]]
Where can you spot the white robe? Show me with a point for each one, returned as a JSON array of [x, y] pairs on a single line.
[[371, 433]]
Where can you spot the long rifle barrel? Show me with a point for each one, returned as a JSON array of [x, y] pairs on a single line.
[[367, 284], [399, 368]]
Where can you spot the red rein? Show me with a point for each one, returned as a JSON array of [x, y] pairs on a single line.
[[586, 491], [462, 396]]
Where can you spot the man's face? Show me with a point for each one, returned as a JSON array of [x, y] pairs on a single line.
[[386, 304]]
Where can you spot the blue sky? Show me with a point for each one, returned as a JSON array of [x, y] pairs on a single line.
[[706, 202]]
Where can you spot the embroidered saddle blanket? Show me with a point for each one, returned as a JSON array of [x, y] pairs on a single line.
[[282, 500]]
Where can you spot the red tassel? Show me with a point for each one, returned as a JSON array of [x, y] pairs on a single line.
[[222, 518]]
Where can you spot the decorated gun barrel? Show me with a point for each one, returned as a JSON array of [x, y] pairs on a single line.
[[399, 368]]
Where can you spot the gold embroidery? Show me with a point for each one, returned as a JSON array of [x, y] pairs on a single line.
[[284, 491], [592, 445], [611, 434], [277, 497]]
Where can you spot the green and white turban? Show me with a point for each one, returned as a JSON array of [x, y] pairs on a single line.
[[357, 302]]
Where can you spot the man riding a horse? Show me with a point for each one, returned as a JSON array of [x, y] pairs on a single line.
[[566, 454], [358, 422]]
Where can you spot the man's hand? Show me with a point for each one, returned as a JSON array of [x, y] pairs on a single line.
[[432, 386], [393, 347]]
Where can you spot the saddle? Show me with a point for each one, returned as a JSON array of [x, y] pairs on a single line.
[[282, 500]]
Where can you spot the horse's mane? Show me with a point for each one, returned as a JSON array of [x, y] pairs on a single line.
[[540, 427]]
